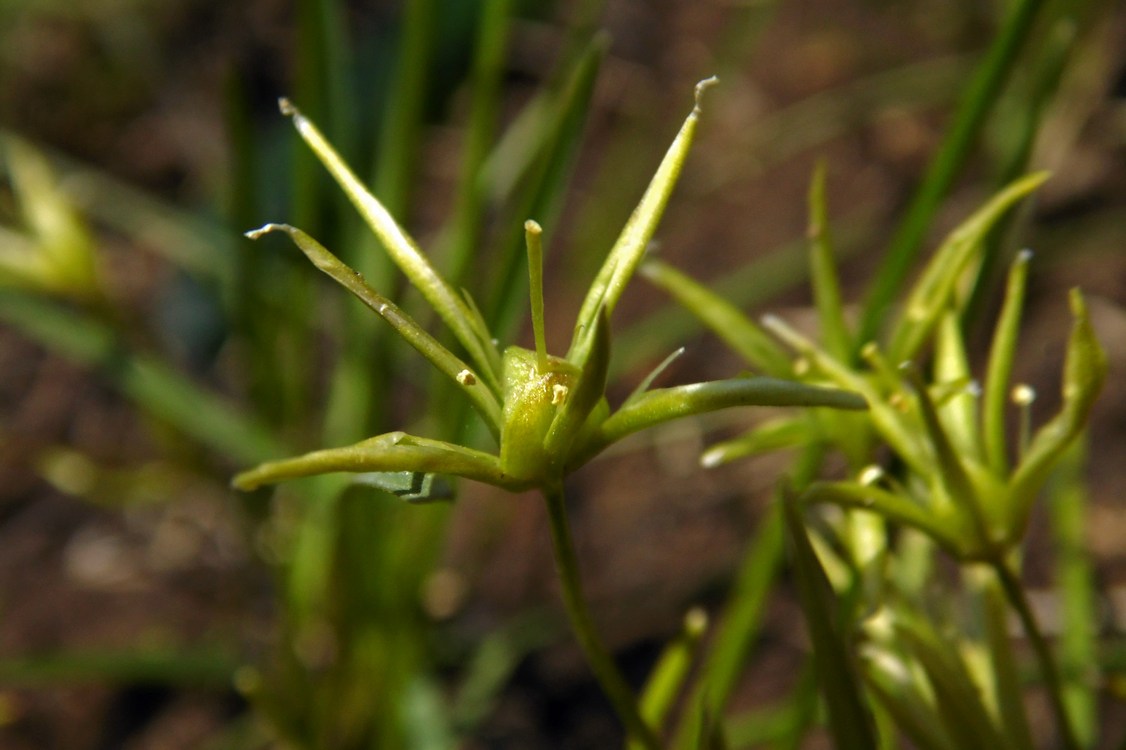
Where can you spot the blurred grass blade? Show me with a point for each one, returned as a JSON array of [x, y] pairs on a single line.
[[950, 471], [1017, 134], [850, 720], [495, 659], [783, 725], [982, 91], [481, 393], [400, 133], [54, 251], [1002, 351], [823, 272], [1085, 370], [530, 167], [1008, 696], [889, 679], [933, 291], [463, 234], [1075, 580], [738, 629], [670, 673], [321, 75], [199, 667], [627, 252], [893, 426], [202, 248], [776, 434], [158, 390], [957, 408], [724, 319], [745, 287], [942, 527], [956, 695]]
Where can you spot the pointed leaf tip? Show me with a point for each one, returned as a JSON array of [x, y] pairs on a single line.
[[701, 87], [285, 106], [254, 234]]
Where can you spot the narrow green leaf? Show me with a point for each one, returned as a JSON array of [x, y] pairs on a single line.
[[746, 286], [671, 671], [942, 527], [780, 725], [1008, 697], [666, 404], [468, 329], [893, 425], [199, 667], [145, 380], [1001, 353], [932, 293], [490, 668], [850, 720], [54, 252], [957, 698], [463, 233], [392, 451], [647, 382], [951, 472], [728, 322], [889, 679], [627, 252], [1085, 369], [786, 432], [1075, 580], [978, 98], [529, 179], [401, 131], [533, 234], [823, 272], [957, 408], [475, 388]]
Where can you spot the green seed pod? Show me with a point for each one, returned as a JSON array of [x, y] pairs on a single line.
[[533, 396]]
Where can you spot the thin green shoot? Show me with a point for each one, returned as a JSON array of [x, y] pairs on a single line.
[[533, 235]]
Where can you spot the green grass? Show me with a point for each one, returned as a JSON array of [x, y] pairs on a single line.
[[353, 663]]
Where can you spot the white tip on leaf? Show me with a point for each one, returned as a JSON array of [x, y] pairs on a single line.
[[712, 458], [701, 87], [254, 234]]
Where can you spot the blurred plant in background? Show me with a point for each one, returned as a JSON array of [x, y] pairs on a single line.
[[233, 354]]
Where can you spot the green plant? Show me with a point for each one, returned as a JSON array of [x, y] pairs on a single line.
[[951, 479], [549, 414], [352, 661]]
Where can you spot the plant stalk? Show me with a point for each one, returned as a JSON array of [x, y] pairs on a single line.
[[613, 683], [1015, 592]]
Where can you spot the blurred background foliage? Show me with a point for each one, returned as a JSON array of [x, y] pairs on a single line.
[[149, 351]]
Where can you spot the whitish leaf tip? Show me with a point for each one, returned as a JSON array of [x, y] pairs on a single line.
[[701, 87], [254, 234]]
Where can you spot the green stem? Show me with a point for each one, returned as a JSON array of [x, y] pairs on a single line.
[[613, 684], [982, 91], [1010, 582]]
